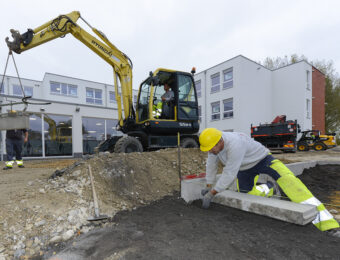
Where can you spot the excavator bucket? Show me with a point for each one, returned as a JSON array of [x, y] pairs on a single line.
[[14, 120]]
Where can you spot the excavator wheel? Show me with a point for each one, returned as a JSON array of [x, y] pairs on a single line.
[[189, 143], [303, 147], [319, 146], [128, 144]]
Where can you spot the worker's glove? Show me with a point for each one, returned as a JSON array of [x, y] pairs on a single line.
[[205, 191], [207, 199]]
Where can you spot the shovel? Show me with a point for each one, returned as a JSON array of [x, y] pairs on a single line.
[[97, 215]]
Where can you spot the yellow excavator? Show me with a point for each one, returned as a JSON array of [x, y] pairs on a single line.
[[143, 128]]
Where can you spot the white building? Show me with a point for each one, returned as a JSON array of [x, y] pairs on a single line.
[[81, 114], [240, 92]]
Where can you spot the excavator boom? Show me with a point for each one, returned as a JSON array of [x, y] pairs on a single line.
[[64, 24]]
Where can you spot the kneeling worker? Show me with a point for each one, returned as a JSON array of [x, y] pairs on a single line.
[[244, 159]]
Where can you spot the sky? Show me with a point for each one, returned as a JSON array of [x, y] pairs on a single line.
[[173, 34]]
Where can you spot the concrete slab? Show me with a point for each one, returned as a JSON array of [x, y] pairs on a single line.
[[300, 214], [274, 208]]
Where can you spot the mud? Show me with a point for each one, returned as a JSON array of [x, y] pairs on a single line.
[[171, 229]]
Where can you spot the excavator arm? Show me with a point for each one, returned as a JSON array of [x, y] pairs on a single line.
[[64, 24]]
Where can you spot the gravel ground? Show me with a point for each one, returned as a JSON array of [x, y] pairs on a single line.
[[42, 215]]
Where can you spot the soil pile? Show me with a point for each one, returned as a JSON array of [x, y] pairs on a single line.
[[38, 210]]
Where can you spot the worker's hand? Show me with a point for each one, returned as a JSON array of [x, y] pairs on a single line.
[[207, 199], [26, 139]]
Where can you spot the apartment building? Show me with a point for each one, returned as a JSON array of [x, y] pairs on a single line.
[[240, 92]]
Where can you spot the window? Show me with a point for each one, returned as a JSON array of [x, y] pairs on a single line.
[[228, 78], [93, 133], [308, 108], [63, 89], [58, 135], [135, 99], [228, 108], [215, 111], [308, 79], [215, 83], [187, 103], [200, 113], [111, 128], [112, 97], [2, 89], [198, 88], [94, 96], [33, 148], [18, 92]]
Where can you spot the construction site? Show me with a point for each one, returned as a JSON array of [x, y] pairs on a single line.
[[46, 209], [132, 179]]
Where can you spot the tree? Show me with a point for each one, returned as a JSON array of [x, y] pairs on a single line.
[[332, 98]]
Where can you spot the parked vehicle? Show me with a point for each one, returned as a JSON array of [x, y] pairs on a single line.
[[313, 139], [280, 134]]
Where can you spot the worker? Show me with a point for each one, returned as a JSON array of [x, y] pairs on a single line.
[[163, 107], [14, 144], [243, 160]]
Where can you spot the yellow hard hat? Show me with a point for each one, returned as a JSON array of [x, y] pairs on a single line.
[[209, 138]]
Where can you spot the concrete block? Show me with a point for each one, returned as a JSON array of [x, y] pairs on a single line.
[[17, 121], [191, 189], [300, 214]]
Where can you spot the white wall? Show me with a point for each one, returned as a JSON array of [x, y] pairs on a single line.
[[290, 93], [259, 94]]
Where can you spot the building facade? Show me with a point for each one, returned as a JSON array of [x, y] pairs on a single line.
[[82, 113], [240, 92]]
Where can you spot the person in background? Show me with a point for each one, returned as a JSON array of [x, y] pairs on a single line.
[[14, 144]]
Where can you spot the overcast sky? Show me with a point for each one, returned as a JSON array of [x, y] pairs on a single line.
[[174, 34]]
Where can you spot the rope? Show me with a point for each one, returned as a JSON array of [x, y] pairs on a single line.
[[3, 75], [16, 69], [25, 98]]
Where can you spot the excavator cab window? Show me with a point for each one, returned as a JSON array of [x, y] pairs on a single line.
[[143, 101], [187, 98]]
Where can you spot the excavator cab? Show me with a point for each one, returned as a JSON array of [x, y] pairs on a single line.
[[182, 107]]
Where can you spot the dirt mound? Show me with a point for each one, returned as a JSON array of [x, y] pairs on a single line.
[[38, 210], [125, 181]]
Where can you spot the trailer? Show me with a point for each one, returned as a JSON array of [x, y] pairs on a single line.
[[280, 134]]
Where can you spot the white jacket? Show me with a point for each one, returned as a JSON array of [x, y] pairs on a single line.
[[240, 152]]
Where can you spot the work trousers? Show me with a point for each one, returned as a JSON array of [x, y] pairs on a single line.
[[292, 186], [14, 149]]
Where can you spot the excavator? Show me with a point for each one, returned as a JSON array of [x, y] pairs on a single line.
[[143, 128]]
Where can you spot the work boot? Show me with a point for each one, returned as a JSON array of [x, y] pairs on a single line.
[[21, 166], [7, 168]]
